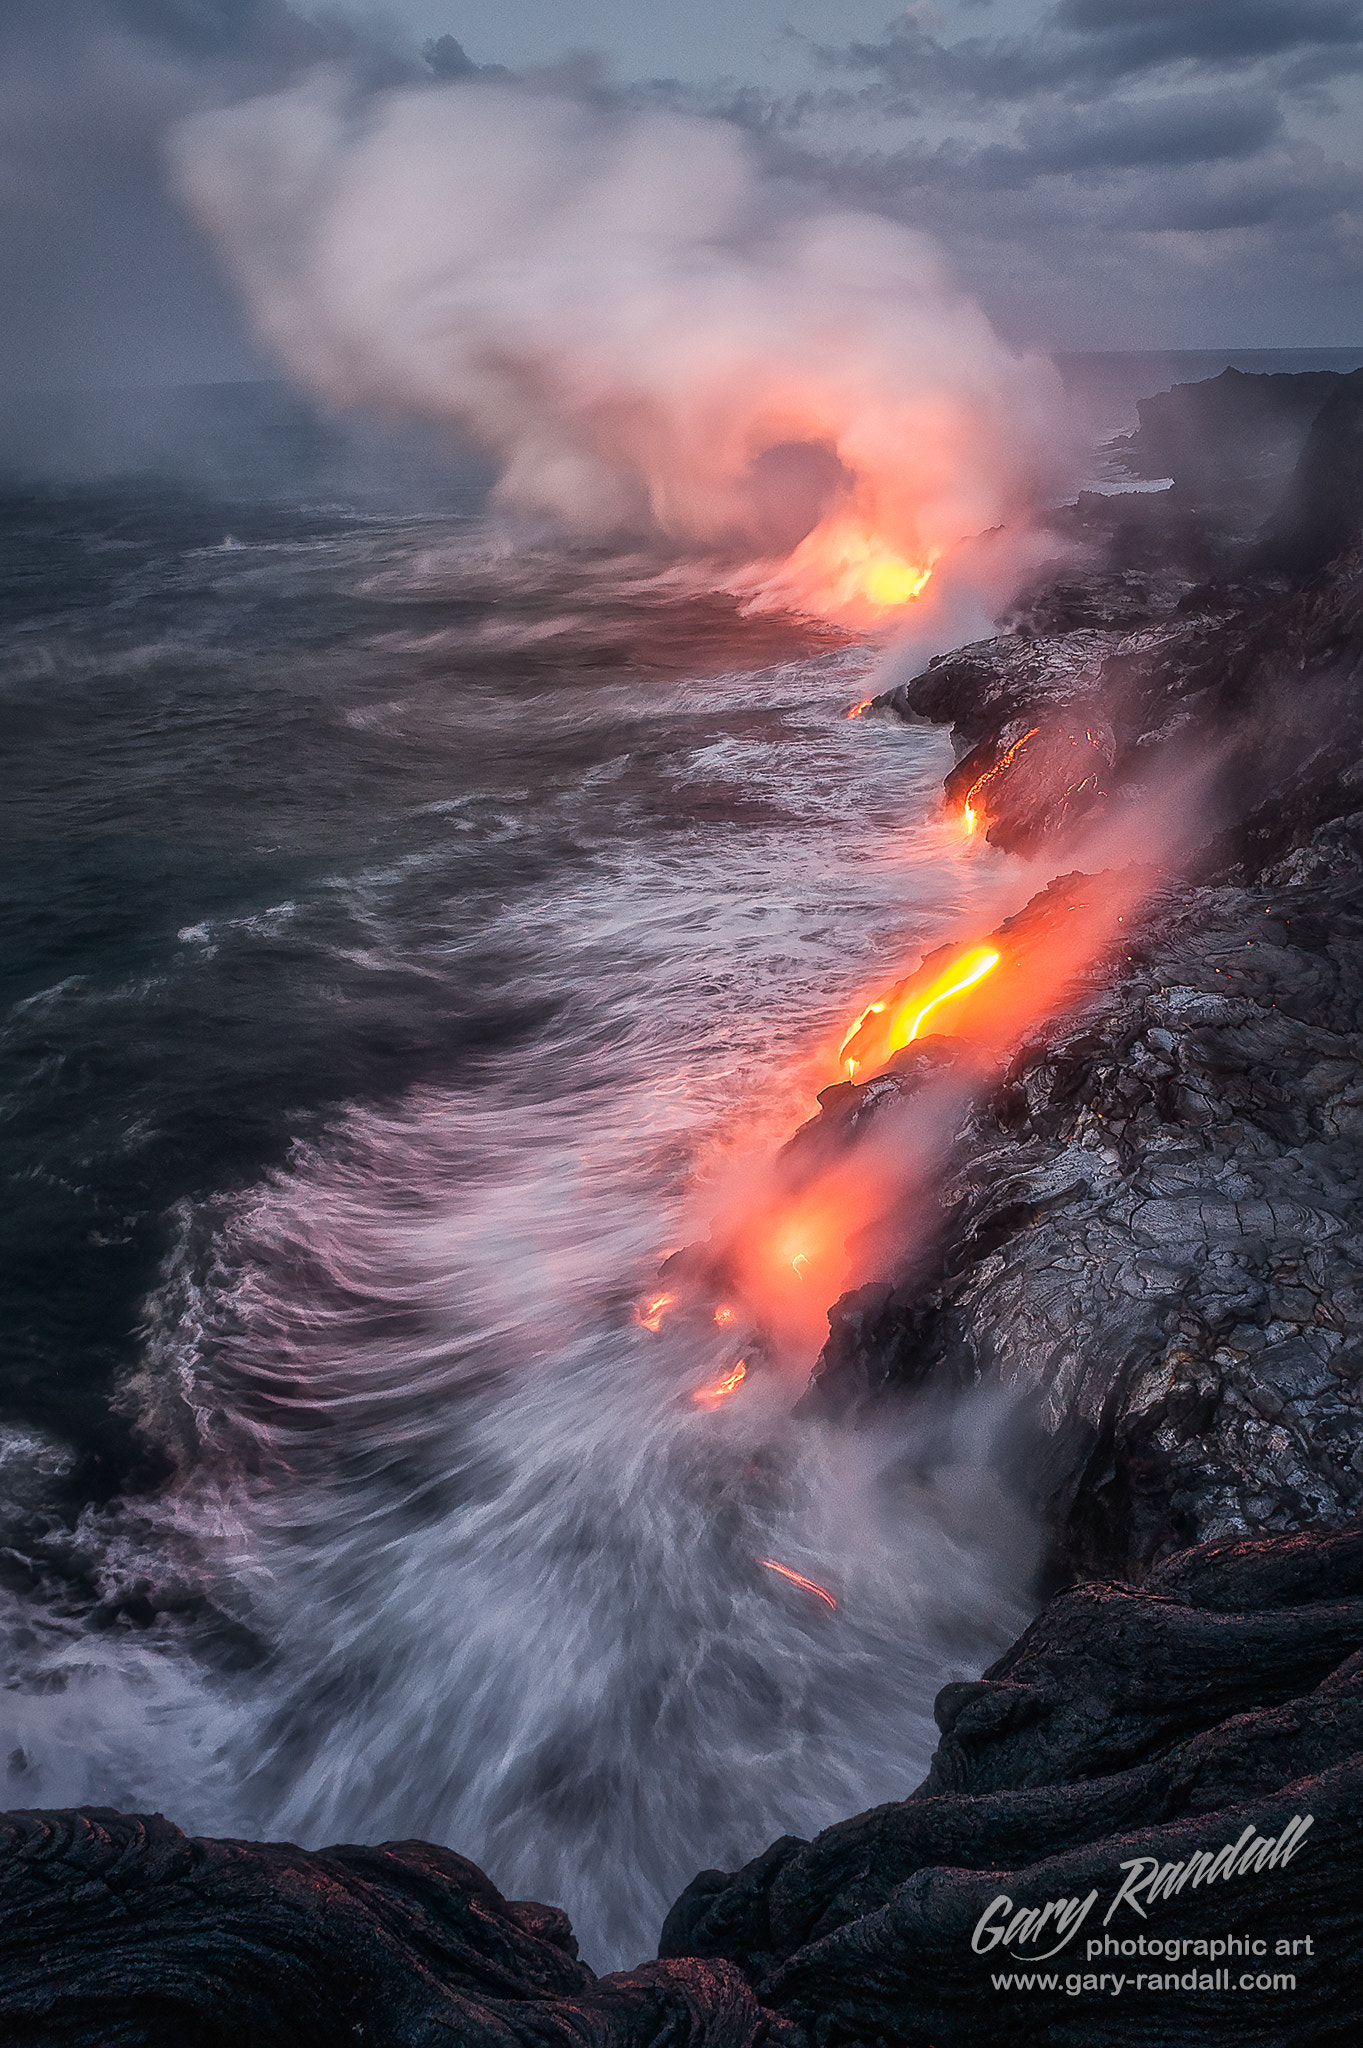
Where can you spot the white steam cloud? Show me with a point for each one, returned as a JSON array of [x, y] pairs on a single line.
[[646, 332]]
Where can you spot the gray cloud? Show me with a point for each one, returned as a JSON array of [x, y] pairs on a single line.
[[1140, 34], [1129, 135], [106, 282], [1124, 171], [1085, 48]]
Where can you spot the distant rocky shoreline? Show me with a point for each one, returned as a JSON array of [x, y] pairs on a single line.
[[1149, 1239]]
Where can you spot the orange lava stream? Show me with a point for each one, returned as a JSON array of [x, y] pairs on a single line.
[[721, 1389], [963, 973], [973, 806], [799, 1579], [651, 1318], [820, 1216], [794, 1232], [981, 960]]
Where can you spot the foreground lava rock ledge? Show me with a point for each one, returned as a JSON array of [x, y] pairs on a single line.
[[1221, 1703]]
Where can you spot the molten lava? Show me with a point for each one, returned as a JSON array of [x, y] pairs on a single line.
[[799, 1579], [842, 1197], [845, 567], [721, 1389], [978, 962], [1050, 777], [911, 1012], [976, 795], [651, 1318]]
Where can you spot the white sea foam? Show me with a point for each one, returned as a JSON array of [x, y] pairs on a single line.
[[492, 1578]]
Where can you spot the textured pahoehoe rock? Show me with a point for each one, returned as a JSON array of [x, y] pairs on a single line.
[[1149, 1235], [1225, 1695], [1150, 1225], [117, 1931], [1258, 662]]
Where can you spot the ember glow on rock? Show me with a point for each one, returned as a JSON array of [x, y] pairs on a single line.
[[799, 1579]]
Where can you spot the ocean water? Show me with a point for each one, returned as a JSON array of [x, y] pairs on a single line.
[[408, 932]]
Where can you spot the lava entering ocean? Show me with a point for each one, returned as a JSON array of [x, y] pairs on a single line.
[[646, 332], [848, 569], [975, 796], [1039, 787], [851, 1190]]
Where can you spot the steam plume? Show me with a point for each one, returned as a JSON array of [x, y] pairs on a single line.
[[647, 333]]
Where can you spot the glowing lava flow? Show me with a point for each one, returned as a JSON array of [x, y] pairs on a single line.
[[846, 568], [799, 1579], [651, 1318], [842, 1198], [981, 960], [972, 806], [964, 972], [721, 1389]]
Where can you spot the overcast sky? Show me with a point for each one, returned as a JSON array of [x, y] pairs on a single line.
[[1106, 173]]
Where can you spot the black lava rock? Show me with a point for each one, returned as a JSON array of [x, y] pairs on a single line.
[[117, 1931], [1201, 1738]]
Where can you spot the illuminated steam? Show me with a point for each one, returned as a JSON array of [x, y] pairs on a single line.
[[648, 334]]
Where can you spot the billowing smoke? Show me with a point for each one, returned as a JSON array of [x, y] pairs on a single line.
[[646, 332]]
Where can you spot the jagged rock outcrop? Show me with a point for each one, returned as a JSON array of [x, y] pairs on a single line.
[[1132, 1736], [1261, 664], [1150, 1222], [1321, 513], [1234, 431], [117, 1931]]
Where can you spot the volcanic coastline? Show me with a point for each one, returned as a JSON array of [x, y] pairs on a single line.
[[1147, 1246]]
